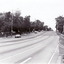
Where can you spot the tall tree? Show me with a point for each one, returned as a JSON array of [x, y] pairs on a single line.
[[27, 23], [17, 22]]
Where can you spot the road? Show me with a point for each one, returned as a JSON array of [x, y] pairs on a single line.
[[40, 48]]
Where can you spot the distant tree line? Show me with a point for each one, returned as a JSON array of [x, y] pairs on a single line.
[[15, 23]]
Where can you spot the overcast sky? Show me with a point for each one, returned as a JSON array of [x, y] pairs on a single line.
[[44, 10]]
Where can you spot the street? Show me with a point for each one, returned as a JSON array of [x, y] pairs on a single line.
[[40, 48]]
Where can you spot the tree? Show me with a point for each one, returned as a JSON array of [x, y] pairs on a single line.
[[59, 23], [16, 24], [27, 23], [45, 28], [39, 25], [17, 13], [49, 29], [7, 21]]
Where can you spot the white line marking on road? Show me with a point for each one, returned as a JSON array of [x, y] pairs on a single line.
[[26, 60], [14, 55], [53, 55]]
